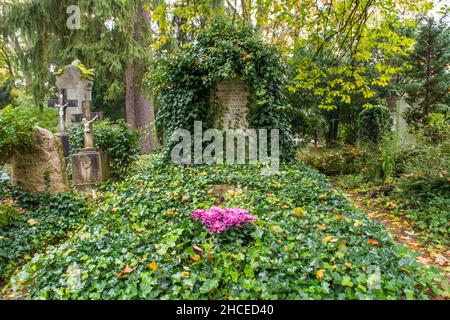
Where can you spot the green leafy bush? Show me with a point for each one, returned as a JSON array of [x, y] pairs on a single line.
[[374, 123], [308, 242], [6, 97], [117, 139], [342, 160], [46, 118], [16, 132], [428, 169], [184, 82], [39, 220], [9, 212]]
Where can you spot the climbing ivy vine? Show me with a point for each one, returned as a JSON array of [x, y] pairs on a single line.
[[183, 82]]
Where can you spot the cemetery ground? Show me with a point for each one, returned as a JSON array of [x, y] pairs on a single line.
[[105, 198], [138, 240]]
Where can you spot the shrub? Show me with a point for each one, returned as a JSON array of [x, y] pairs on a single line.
[[374, 123], [428, 169], [34, 221], [9, 212], [224, 51], [117, 139], [16, 132], [343, 160]]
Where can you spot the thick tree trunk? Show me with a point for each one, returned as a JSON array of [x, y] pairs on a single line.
[[139, 110]]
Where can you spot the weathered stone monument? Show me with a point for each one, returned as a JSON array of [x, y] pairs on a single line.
[[231, 97], [90, 165], [398, 107], [61, 134], [74, 83], [43, 169]]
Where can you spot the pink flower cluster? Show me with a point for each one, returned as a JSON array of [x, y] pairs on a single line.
[[220, 219], [11, 204]]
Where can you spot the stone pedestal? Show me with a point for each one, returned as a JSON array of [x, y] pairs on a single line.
[[89, 166], [64, 139]]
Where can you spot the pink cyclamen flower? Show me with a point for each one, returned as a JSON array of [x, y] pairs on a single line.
[[220, 219]]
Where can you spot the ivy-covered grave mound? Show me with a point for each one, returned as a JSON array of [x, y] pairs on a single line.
[[306, 241]]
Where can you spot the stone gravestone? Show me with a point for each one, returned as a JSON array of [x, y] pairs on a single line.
[[231, 97], [90, 165], [398, 107], [43, 169], [74, 84]]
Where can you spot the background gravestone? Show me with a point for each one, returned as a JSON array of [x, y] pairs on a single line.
[[231, 97], [75, 86], [398, 107]]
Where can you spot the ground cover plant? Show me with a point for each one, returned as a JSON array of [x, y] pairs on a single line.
[[307, 242], [31, 222]]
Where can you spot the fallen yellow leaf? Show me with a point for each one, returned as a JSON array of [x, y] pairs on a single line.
[[276, 229], [298, 212], [32, 222], [329, 239], [320, 274], [196, 258], [153, 266]]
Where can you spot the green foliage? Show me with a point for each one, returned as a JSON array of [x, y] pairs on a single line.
[[374, 123], [184, 82], [16, 132], [342, 160], [6, 97], [46, 118], [430, 215], [308, 243], [40, 27], [41, 220], [9, 212], [117, 139], [429, 78], [427, 171], [85, 72]]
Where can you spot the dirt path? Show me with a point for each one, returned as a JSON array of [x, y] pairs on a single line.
[[378, 207]]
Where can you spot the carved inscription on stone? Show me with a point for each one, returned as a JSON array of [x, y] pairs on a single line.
[[232, 96]]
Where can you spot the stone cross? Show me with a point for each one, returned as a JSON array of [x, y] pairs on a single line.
[[76, 88], [61, 119], [88, 134]]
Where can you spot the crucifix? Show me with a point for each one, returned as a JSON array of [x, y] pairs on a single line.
[[61, 114], [88, 134]]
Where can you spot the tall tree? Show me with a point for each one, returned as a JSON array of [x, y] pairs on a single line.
[[428, 81], [139, 109], [106, 41]]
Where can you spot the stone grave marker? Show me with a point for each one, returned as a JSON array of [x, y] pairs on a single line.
[[90, 165], [74, 84], [231, 97]]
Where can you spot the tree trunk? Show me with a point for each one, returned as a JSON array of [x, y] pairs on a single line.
[[139, 110]]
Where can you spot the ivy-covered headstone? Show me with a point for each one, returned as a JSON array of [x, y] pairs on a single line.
[[230, 100]]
